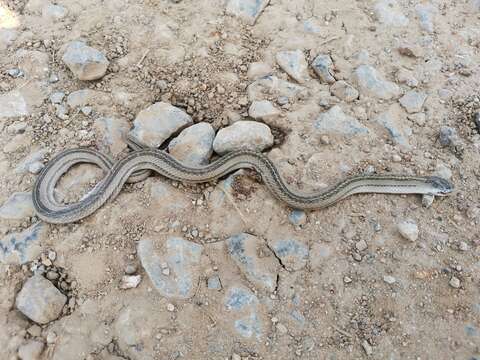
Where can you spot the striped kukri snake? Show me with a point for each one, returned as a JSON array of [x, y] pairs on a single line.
[[138, 164]]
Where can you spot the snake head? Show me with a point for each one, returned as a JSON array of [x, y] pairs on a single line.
[[441, 186]]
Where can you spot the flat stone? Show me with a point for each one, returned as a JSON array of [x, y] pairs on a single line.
[[389, 279], [263, 110], [297, 217], [111, 134], [335, 121], [158, 122], [395, 125], [294, 64], [214, 283], [413, 101], [54, 12], [22, 247], [194, 145], [182, 258], [243, 304], [406, 77], [130, 281], [408, 229], [361, 245], [258, 69], [371, 83], [32, 350], [57, 97], [13, 104], [18, 206], [455, 282], [389, 13], [31, 162], [83, 97], [243, 135], [85, 62], [33, 63], [292, 253], [271, 85], [344, 91], [323, 67], [247, 10], [425, 14], [7, 37], [40, 300], [260, 271]]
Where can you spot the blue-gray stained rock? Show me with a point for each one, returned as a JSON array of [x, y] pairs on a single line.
[[389, 12], [259, 270], [298, 217], [372, 83], [344, 91], [13, 104], [158, 122], [21, 247], [294, 64], [40, 300], [244, 306], [413, 101], [57, 97], [271, 85], [243, 135], [312, 26], [111, 134], [447, 136], [19, 206], [85, 62], [398, 132], [247, 10], [194, 145], [425, 13], [54, 12], [32, 163], [182, 258], [292, 253], [323, 67], [214, 283], [336, 122]]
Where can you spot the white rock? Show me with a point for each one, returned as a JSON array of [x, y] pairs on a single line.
[[247, 10], [408, 229], [263, 110], [268, 85], [18, 206], [294, 64], [455, 282], [158, 122], [130, 281], [40, 300], [243, 135], [425, 13], [389, 13], [258, 69], [371, 83], [32, 350], [54, 12], [413, 101], [111, 134], [344, 91], [389, 279], [13, 104], [7, 37], [84, 61], [194, 145], [361, 245], [335, 121]]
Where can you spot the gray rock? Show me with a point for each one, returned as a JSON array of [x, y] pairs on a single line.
[[447, 136], [406, 77], [20, 248], [361, 245], [13, 104], [344, 91], [395, 127], [111, 134], [15, 73], [292, 253], [31, 162], [268, 85], [263, 110], [247, 10], [425, 13], [54, 12], [260, 270], [81, 97], [39, 300], [32, 350], [371, 83], [194, 145], [323, 67], [182, 258], [389, 13], [243, 304], [413, 101], [19, 206], [258, 69], [294, 64], [408, 229], [455, 282], [214, 283], [7, 37], [297, 217], [85, 62], [57, 97], [243, 135], [158, 122], [389, 279], [335, 121]]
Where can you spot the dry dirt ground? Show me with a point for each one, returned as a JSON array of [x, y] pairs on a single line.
[[359, 290]]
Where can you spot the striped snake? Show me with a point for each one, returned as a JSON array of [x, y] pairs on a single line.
[[138, 164]]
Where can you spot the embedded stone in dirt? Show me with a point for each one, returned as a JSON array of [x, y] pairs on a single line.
[[292, 253], [158, 122], [408, 229], [263, 110], [413, 101], [19, 248], [32, 350], [194, 145], [13, 104], [17, 207], [335, 121], [85, 62], [344, 91], [247, 10], [40, 300], [111, 134], [372, 83], [389, 12], [323, 67], [294, 64]]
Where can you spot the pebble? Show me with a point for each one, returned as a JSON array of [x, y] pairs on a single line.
[[34, 330], [19, 206], [130, 281], [406, 77], [110, 134], [57, 97], [335, 121], [242, 304], [347, 280], [40, 300], [427, 200], [264, 110], [297, 217], [32, 350], [323, 67], [292, 253], [282, 329], [247, 10], [258, 69], [273, 85], [408, 229], [447, 136], [22, 247], [13, 104], [294, 64], [54, 12], [214, 283], [15, 73], [361, 245], [130, 269], [81, 97], [243, 135], [425, 15], [194, 145], [344, 91], [410, 50], [158, 122], [455, 282], [372, 83], [170, 307], [85, 62], [389, 279], [367, 348], [413, 101], [52, 275], [395, 126], [389, 13]]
